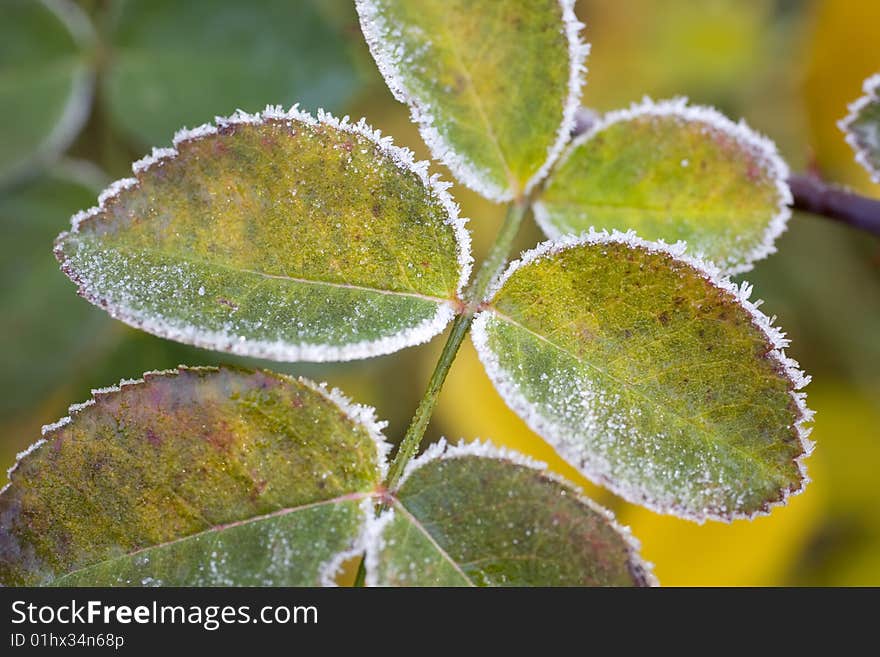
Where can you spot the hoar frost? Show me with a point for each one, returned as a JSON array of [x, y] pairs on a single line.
[[575, 406]]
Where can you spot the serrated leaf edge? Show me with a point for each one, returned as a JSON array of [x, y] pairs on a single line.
[[279, 349], [372, 26], [740, 293], [441, 451], [758, 144], [871, 89]]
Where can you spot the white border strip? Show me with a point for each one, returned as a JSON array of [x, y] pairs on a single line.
[[578, 51], [330, 569], [360, 414]]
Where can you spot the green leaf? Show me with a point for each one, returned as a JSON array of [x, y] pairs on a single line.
[[197, 477], [649, 373], [48, 325], [278, 236], [476, 516], [862, 127], [673, 172], [46, 81], [493, 86], [180, 63]]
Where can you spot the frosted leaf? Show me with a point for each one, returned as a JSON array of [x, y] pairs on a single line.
[[862, 127], [194, 477], [278, 235], [473, 515], [673, 171], [46, 81], [650, 373], [494, 87]]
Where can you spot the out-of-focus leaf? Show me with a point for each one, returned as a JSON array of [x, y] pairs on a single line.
[[862, 127], [196, 477], [48, 330], [181, 63], [739, 56], [712, 49], [649, 373], [476, 516], [493, 86], [46, 80], [674, 172], [845, 549], [843, 52], [824, 284], [278, 236]]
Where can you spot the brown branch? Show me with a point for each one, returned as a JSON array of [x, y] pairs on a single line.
[[813, 195]]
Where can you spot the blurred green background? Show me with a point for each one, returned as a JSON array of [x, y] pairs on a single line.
[[88, 87]]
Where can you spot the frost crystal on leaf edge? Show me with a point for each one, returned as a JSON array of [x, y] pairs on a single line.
[[760, 146], [871, 89], [547, 429]]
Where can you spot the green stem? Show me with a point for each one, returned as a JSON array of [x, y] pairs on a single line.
[[491, 266]]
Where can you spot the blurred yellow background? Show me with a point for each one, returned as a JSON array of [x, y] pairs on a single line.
[[790, 68]]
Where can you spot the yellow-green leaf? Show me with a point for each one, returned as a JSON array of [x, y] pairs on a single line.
[[46, 80], [276, 235], [473, 515], [196, 477], [651, 374], [673, 172], [493, 85], [862, 127]]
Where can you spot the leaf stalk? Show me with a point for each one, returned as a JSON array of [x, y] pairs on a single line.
[[474, 296]]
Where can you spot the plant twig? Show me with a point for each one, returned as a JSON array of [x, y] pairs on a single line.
[[473, 297], [813, 195], [491, 266]]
